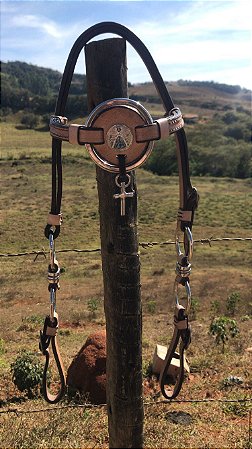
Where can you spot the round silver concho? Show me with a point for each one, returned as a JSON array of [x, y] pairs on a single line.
[[118, 118], [119, 137]]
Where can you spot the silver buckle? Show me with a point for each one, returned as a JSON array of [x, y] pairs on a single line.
[[58, 120]]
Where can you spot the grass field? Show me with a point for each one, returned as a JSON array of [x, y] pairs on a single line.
[[218, 270]]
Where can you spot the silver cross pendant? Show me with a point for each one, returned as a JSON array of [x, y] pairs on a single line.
[[123, 194]]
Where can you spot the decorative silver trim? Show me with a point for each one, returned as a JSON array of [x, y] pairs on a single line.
[[58, 120], [175, 119]]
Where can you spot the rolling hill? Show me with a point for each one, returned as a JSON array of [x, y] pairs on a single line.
[[217, 116]]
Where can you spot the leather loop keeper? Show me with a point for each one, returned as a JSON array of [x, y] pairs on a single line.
[[55, 220], [51, 331], [185, 215], [73, 134], [164, 127], [182, 324]]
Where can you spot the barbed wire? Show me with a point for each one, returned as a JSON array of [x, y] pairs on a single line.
[[208, 241], [152, 403], [203, 241]]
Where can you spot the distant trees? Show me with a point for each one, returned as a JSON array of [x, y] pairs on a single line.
[[163, 160], [13, 98], [238, 132], [218, 147], [35, 89], [215, 150], [218, 86], [36, 80]]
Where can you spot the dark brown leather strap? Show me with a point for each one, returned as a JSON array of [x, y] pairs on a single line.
[[182, 335], [48, 337]]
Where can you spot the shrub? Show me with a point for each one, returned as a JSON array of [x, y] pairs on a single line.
[[223, 328], [151, 307], [231, 303], [92, 307], [30, 120], [229, 117], [235, 132], [215, 307], [30, 323], [27, 373], [163, 160]]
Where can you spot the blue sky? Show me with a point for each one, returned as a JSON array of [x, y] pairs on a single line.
[[196, 40]]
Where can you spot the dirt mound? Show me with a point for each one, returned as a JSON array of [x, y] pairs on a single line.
[[87, 372]]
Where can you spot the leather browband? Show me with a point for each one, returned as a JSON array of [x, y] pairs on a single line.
[[80, 135]]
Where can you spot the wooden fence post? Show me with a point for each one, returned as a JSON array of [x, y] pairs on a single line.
[[107, 78]]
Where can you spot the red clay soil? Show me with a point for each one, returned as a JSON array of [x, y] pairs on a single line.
[[87, 372]]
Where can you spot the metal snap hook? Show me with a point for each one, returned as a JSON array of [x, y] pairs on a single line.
[[188, 243], [188, 295], [52, 303], [52, 250]]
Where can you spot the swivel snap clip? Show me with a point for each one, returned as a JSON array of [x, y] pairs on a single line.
[[186, 284]]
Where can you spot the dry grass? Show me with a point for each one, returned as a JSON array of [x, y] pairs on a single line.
[[217, 271]]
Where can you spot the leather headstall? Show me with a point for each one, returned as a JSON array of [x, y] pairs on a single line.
[[119, 135]]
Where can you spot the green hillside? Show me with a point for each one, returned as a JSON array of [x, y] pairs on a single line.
[[28, 87], [217, 116]]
